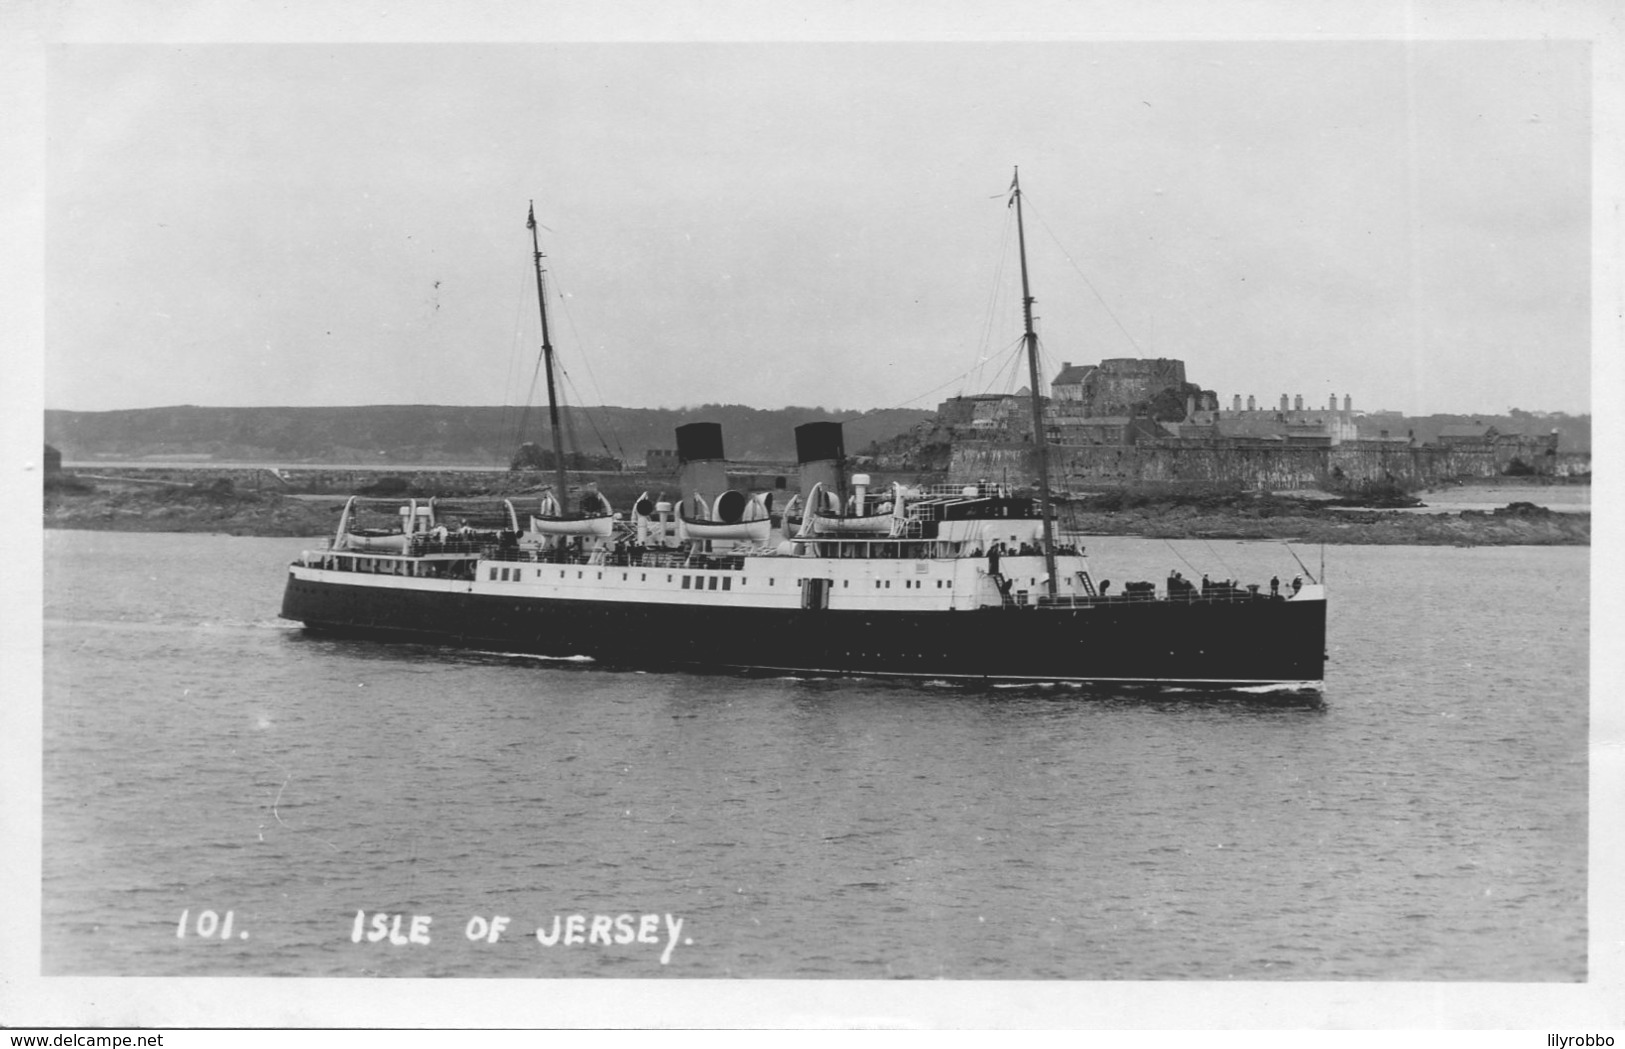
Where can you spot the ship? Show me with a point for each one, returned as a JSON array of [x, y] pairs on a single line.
[[971, 582]]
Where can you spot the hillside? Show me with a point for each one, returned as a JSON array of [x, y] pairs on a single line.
[[432, 434]]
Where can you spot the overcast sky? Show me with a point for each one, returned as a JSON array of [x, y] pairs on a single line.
[[816, 224]]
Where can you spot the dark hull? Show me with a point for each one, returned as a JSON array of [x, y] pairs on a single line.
[[1218, 643]]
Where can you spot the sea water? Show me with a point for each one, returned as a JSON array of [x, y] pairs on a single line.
[[224, 795]]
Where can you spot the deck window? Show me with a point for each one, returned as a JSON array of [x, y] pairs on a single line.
[[493, 573], [713, 583], [727, 583], [685, 582]]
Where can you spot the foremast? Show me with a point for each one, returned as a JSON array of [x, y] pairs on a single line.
[[563, 480], [1039, 444]]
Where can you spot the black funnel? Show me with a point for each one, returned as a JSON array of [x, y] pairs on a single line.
[[699, 442], [819, 442]]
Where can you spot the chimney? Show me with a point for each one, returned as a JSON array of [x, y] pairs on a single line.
[[700, 468], [1348, 403], [821, 451], [1190, 407], [1331, 405], [1297, 403], [1237, 407], [1250, 403], [1283, 403]]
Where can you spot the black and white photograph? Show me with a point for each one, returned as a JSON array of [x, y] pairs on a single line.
[[814, 518]]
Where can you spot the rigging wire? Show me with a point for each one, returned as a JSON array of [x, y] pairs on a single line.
[[1012, 362], [511, 377], [1216, 557], [1181, 556], [977, 372], [567, 417], [1298, 559], [1082, 276], [934, 389], [530, 397], [995, 293], [588, 416], [564, 307]]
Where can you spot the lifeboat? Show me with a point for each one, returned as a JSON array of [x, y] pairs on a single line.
[[390, 543], [596, 518], [732, 516], [868, 524], [857, 520]]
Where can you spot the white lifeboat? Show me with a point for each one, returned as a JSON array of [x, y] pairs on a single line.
[[550, 519], [860, 518], [395, 543], [731, 517]]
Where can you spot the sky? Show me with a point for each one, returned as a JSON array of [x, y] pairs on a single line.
[[816, 223]]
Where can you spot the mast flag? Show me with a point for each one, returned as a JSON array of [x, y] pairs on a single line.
[[530, 220]]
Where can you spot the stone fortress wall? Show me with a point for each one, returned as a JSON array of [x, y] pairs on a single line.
[[1129, 422]]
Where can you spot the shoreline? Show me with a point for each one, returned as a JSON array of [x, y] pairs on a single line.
[[220, 509]]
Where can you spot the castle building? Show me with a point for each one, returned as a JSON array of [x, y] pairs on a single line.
[[1127, 421], [1116, 386]]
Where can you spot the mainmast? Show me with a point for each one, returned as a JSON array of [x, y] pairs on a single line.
[[563, 491], [1038, 400]]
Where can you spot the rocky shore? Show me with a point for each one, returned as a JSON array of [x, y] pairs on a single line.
[[216, 508], [1513, 526], [219, 507]]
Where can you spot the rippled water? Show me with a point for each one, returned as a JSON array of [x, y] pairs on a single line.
[[1425, 820]]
